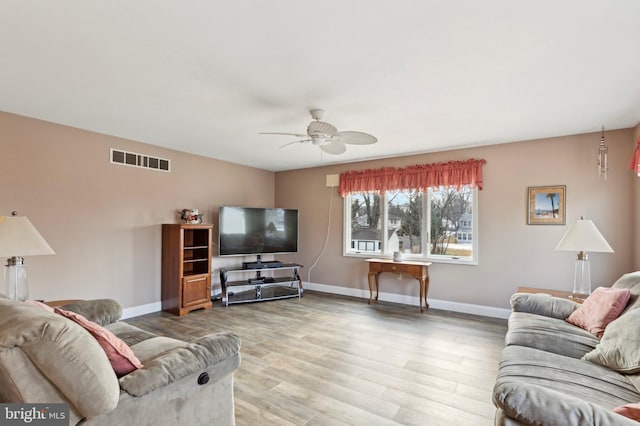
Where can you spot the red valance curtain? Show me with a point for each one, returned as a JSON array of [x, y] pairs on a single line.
[[419, 178]]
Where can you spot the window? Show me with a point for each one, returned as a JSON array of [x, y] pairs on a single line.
[[437, 225]]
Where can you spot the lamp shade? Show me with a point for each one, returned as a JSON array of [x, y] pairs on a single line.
[[18, 237], [584, 236]]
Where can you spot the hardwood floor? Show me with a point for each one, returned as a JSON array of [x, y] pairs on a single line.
[[333, 360]]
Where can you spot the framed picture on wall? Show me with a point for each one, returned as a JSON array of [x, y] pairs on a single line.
[[546, 205]]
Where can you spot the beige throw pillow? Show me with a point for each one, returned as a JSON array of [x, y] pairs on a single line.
[[619, 348]]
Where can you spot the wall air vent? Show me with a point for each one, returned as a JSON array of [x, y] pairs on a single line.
[[140, 160]]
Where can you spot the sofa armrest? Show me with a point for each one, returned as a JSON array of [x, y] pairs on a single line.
[[194, 358], [100, 311], [536, 405], [543, 304]]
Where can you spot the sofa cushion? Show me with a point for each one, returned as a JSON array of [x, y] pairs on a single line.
[[549, 334], [121, 357], [151, 348], [619, 348], [177, 363], [100, 311], [543, 304], [129, 334], [599, 309], [544, 371], [527, 404]]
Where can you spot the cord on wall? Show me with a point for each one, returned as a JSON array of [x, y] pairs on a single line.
[[326, 240]]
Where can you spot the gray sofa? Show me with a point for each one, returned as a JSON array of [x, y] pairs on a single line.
[[47, 358], [543, 378]]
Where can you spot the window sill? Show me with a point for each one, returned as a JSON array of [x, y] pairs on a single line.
[[369, 255]]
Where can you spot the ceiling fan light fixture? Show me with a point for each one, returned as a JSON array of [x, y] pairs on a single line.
[[320, 140]]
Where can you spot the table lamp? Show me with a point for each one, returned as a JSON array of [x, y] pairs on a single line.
[[583, 236], [19, 238]]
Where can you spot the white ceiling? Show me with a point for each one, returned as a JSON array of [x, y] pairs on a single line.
[[206, 77]]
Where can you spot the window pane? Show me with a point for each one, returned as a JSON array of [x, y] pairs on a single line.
[[366, 226], [404, 222], [451, 222]]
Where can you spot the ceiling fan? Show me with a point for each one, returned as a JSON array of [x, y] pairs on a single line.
[[326, 136]]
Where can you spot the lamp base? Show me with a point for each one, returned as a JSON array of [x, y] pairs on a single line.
[[582, 279], [15, 281]]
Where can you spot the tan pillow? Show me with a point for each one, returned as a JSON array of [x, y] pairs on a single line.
[[619, 348], [599, 309]]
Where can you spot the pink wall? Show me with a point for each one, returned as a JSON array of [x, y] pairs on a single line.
[[103, 220], [511, 253]]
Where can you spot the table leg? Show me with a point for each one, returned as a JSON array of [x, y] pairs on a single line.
[[370, 286], [426, 291], [377, 285], [422, 294]]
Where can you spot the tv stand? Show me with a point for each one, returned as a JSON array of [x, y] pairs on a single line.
[[284, 283]]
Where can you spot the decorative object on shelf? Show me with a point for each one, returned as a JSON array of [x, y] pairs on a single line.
[[603, 158], [546, 205], [397, 256], [191, 216], [583, 236], [19, 238], [635, 159]]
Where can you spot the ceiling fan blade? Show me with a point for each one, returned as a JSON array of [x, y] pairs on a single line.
[[334, 148], [298, 135], [357, 138], [293, 143]]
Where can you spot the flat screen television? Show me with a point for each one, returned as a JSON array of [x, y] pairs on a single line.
[[251, 230]]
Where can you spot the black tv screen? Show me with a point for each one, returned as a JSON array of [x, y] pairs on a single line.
[[250, 230]]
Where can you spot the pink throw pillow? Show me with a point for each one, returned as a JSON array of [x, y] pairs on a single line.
[[39, 304], [122, 358], [599, 309], [631, 411]]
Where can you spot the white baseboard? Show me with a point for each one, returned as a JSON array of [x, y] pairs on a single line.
[[135, 311], [466, 308]]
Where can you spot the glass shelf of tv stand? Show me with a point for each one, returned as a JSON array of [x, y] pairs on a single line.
[[255, 287]]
